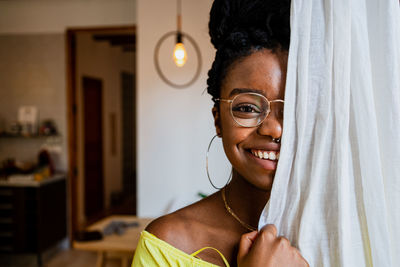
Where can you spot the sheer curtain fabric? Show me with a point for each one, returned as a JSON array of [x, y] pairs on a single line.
[[336, 193]]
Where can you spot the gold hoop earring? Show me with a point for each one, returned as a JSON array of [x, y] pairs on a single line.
[[208, 173]]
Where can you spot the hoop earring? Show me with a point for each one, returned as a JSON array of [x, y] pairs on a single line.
[[208, 174]]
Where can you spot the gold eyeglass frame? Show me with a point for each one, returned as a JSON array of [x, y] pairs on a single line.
[[250, 93]]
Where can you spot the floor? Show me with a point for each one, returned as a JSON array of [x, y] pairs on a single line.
[[61, 258]]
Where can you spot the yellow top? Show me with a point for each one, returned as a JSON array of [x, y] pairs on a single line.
[[152, 251]]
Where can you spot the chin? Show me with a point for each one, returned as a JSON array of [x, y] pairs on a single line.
[[264, 185], [261, 182]]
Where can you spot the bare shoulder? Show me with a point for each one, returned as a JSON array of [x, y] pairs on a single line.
[[187, 228], [170, 228]]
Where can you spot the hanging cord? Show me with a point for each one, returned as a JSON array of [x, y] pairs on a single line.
[[179, 15]]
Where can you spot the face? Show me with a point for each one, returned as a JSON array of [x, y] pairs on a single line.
[[262, 72]]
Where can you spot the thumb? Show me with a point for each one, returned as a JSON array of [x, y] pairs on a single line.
[[246, 241]]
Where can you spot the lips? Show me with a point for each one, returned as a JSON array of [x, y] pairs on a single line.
[[266, 156]]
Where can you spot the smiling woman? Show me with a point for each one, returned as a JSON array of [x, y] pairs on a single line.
[[247, 137], [247, 85]]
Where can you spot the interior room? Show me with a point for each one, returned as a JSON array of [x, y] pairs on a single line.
[[100, 130]]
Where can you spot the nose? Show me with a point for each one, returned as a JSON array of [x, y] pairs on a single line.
[[272, 126]]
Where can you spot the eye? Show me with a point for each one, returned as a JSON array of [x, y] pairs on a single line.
[[246, 108]]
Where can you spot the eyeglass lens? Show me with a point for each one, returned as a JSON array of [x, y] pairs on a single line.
[[249, 109]]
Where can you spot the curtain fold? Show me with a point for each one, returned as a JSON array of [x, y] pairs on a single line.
[[336, 193]]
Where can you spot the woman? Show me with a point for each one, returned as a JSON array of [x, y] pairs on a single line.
[[247, 82]]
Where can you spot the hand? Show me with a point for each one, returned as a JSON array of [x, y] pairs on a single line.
[[265, 249]]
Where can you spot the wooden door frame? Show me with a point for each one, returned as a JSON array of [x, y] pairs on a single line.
[[71, 61]]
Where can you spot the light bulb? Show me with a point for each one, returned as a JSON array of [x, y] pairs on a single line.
[[180, 55]]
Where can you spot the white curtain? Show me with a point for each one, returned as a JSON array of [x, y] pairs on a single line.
[[336, 193]]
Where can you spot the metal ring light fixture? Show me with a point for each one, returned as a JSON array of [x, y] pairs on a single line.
[[158, 67], [180, 55]]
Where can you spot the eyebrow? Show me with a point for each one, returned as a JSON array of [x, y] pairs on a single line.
[[237, 91]]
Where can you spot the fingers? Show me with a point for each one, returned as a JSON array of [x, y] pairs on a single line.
[[304, 261], [283, 242], [270, 228], [295, 254], [265, 248], [246, 241], [266, 237]]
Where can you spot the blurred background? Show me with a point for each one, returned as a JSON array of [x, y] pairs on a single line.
[[95, 141]]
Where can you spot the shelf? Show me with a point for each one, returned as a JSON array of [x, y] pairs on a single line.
[[32, 183], [6, 193], [6, 220], [3, 136], [6, 206], [6, 234]]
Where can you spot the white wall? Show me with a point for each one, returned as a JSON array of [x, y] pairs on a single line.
[[51, 16], [175, 126]]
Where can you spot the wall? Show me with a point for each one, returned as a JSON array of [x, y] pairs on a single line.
[[174, 126], [100, 60], [32, 73], [44, 16]]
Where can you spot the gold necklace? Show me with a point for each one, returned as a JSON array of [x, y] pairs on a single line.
[[245, 225]]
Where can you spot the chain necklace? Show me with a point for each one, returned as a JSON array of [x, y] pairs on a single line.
[[245, 225]]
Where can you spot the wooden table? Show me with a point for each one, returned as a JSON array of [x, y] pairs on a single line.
[[121, 246]]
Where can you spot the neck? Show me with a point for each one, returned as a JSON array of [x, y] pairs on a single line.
[[246, 201]]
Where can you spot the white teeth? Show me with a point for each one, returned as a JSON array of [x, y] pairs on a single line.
[[262, 154], [272, 156]]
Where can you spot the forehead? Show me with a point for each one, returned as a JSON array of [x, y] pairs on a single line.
[[264, 71]]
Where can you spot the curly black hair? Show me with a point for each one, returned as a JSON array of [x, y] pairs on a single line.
[[239, 28]]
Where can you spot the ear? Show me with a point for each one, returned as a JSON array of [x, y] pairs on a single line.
[[217, 121]]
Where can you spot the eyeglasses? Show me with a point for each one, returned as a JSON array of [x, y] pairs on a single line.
[[249, 109]]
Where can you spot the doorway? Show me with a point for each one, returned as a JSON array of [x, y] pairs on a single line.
[[93, 147], [102, 141]]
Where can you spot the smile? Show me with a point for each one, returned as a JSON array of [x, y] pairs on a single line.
[[263, 154]]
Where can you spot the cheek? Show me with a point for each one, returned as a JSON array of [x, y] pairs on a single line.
[[233, 142], [233, 136], [229, 129]]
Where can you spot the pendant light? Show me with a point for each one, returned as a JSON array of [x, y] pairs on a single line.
[[179, 54]]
